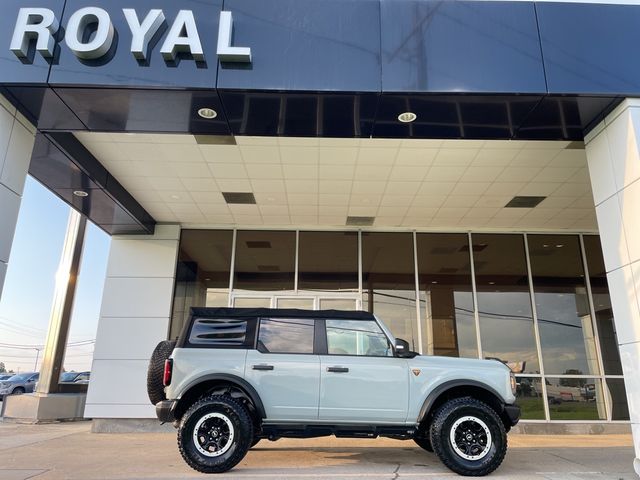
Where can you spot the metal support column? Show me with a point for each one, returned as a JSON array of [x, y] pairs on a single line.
[[66, 279]]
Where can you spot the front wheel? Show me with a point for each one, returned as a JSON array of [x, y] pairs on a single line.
[[468, 437], [215, 434]]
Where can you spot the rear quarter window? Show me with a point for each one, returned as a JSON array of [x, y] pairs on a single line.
[[221, 332]]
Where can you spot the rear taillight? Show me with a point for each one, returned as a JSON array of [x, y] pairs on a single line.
[[168, 370]]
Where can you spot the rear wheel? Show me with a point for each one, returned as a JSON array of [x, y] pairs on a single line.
[[215, 434], [155, 387], [468, 437]]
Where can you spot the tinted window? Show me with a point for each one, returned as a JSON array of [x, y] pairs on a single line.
[[389, 282], [265, 260], [504, 302], [328, 261], [285, 335], [356, 337], [219, 332]]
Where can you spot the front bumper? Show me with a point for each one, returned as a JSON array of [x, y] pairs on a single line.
[[512, 413], [165, 410]]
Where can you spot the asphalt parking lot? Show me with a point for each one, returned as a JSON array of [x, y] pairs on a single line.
[[71, 451]]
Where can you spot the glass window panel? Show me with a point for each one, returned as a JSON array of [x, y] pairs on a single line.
[[337, 304], [446, 294], [202, 273], [388, 282], [265, 261], [328, 261], [602, 305], [504, 301], [357, 337], [304, 303], [575, 399], [529, 397], [618, 396], [562, 304], [282, 335], [249, 302]]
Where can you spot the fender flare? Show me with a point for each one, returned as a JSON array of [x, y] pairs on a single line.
[[443, 387], [233, 379]]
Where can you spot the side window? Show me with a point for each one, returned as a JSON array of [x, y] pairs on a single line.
[[357, 337], [220, 332], [285, 335]]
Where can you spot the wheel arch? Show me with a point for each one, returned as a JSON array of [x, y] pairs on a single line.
[[458, 389], [235, 385]]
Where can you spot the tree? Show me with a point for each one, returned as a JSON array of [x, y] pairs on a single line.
[[2, 368]]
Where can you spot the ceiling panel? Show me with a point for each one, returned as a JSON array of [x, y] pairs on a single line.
[[434, 184]]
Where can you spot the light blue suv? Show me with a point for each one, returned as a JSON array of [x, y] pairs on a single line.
[[236, 376]]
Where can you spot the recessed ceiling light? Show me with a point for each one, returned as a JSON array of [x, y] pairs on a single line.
[[80, 193], [560, 245], [207, 279], [407, 117], [492, 283], [435, 281], [207, 113]]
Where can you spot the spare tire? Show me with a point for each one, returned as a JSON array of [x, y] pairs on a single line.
[[155, 388]]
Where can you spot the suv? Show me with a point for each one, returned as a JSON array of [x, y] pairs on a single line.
[[237, 375]]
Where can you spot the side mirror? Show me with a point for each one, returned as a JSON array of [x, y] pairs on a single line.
[[402, 349]]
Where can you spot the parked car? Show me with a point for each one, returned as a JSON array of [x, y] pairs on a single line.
[[18, 384], [75, 377], [236, 376]]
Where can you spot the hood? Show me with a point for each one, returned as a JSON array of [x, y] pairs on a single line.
[[470, 363]]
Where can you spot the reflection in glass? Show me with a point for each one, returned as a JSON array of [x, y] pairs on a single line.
[[357, 337], [202, 273], [265, 261], [618, 396], [504, 302], [446, 297], [602, 305], [283, 335], [562, 304], [575, 399], [328, 261], [388, 282], [530, 398]]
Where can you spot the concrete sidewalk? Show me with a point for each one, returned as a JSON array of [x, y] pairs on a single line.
[[70, 451]]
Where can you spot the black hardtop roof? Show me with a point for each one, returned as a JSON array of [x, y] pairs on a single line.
[[219, 312]]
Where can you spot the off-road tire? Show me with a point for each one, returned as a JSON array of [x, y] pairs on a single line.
[[155, 388], [237, 413], [440, 429], [424, 443], [255, 441]]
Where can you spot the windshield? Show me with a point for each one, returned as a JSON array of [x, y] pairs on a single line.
[[21, 377], [68, 376]]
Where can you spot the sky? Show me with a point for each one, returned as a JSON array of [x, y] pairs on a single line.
[[25, 305]]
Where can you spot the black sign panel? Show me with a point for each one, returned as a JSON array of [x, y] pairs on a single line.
[[119, 67]]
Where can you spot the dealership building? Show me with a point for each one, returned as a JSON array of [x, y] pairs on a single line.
[[467, 170]]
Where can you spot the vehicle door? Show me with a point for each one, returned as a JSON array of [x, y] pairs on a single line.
[[360, 379], [284, 369]]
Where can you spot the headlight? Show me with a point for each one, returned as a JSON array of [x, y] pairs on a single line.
[[514, 385]]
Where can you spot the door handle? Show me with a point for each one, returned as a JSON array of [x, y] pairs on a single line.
[[337, 369], [263, 367]]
